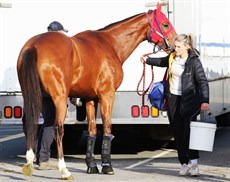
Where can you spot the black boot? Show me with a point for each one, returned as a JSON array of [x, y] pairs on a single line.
[[90, 160], [105, 155]]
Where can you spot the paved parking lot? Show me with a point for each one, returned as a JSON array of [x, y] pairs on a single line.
[[150, 164]]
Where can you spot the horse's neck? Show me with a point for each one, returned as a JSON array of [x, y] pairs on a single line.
[[128, 34]]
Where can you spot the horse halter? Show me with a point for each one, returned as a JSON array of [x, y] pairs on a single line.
[[161, 34]]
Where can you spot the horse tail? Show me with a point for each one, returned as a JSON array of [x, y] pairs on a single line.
[[31, 91]]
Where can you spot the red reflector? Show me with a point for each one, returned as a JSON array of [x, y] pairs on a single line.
[[17, 112], [145, 111], [135, 111]]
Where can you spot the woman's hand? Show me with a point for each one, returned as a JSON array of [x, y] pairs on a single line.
[[204, 107]]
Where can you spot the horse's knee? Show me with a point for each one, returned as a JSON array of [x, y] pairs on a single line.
[[92, 129]]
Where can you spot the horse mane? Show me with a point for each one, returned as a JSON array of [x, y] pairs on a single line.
[[118, 22]]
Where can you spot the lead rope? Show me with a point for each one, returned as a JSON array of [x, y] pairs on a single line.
[[142, 79]]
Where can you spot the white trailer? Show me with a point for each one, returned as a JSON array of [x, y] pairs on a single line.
[[207, 20]]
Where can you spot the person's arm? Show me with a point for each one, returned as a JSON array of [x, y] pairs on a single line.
[[161, 62], [202, 84]]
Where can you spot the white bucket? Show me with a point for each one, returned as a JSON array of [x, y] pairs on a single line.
[[202, 136]]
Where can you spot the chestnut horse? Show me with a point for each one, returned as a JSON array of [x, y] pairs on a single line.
[[87, 65]]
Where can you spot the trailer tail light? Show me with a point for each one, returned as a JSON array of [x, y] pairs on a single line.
[[8, 112], [135, 111], [145, 111], [17, 112], [154, 112]]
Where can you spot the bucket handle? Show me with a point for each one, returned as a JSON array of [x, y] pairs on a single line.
[[203, 116]]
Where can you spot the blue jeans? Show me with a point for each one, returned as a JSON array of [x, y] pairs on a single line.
[[46, 132]]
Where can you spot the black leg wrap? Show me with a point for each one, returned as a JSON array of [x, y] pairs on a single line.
[[90, 160], [106, 155]]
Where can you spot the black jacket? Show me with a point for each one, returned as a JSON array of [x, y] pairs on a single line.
[[195, 88]]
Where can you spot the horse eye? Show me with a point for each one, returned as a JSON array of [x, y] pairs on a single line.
[[165, 26]]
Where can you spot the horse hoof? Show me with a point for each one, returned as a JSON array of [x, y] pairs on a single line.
[[107, 170], [27, 169], [92, 170], [68, 178]]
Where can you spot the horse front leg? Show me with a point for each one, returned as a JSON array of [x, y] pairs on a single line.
[[61, 109], [106, 155], [106, 112], [92, 132]]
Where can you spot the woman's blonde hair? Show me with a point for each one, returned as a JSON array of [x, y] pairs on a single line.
[[187, 40]]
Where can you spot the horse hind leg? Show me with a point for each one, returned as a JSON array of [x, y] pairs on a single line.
[[27, 169], [61, 109]]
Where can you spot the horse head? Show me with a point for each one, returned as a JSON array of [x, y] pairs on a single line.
[[161, 31]]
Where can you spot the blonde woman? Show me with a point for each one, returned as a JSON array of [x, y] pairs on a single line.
[[188, 92]]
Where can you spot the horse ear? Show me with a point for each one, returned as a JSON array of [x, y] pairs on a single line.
[[158, 7]]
